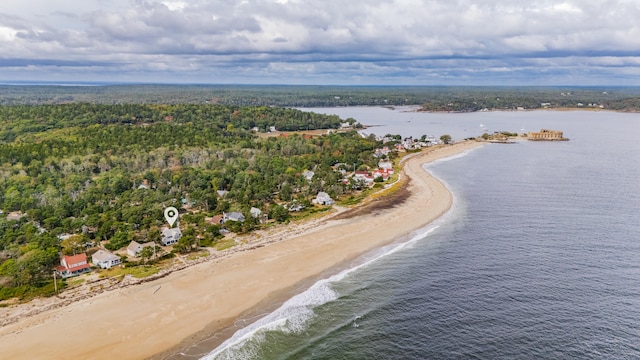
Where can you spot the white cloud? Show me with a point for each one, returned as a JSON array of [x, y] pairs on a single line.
[[313, 39]]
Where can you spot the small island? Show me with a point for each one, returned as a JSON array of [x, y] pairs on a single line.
[[546, 135]]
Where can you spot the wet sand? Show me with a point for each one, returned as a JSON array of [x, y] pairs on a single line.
[[184, 307]]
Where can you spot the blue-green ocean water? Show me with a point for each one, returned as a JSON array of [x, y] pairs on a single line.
[[538, 259]]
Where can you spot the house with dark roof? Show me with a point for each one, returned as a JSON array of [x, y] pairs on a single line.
[[233, 216]]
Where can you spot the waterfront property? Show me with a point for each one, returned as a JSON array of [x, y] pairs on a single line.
[[170, 236], [73, 265], [323, 199], [105, 259], [135, 248]]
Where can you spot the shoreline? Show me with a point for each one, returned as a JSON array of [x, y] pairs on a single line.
[[178, 311]]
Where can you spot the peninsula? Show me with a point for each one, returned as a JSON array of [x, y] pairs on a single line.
[[140, 321]]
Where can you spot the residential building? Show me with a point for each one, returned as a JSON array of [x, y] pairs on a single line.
[[73, 265], [135, 248], [308, 174], [233, 216], [170, 236], [105, 259], [216, 220], [255, 212], [323, 199]]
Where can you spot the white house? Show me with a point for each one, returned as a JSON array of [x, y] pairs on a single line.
[[255, 212], [385, 164], [135, 248], [308, 174], [323, 199], [170, 236], [105, 259]]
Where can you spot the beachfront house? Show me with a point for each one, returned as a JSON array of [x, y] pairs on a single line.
[[233, 216], [323, 199], [135, 248], [170, 236], [105, 259], [73, 265]]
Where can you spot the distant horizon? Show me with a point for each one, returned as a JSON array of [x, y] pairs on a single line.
[[134, 83]]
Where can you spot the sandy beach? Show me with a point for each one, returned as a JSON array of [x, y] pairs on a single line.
[[148, 319]]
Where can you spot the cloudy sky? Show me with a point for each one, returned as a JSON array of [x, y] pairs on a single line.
[[383, 42]]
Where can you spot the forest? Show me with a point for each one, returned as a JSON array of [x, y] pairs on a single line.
[[78, 169], [432, 98]]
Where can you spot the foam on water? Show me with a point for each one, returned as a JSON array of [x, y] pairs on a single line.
[[294, 314]]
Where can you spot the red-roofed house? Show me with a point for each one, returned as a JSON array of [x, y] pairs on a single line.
[[73, 265]]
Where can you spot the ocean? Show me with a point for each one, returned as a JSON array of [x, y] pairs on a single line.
[[539, 258]]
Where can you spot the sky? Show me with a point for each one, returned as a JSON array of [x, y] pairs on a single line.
[[324, 42]]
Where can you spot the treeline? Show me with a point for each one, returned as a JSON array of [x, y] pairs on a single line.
[[25, 119], [434, 98], [105, 173]]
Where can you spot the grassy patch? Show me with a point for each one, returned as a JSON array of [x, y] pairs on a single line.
[[225, 244], [76, 282], [194, 256], [26, 293], [139, 272]]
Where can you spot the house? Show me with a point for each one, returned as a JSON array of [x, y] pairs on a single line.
[[144, 185], [323, 199], [170, 236], [383, 173], [73, 265], [135, 248], [64, 236], [385, 165], [15, 216], [364, 176], [216, 220], [255, 212], [105, 259], [308, 174], [232, 216], [294, 207]]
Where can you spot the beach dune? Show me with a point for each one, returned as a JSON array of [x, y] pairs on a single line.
[[141, 321]]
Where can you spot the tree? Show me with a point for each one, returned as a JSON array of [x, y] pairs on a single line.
[[446, 138], [73, 245], [148, 252], [185, 244], [279, 213]]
